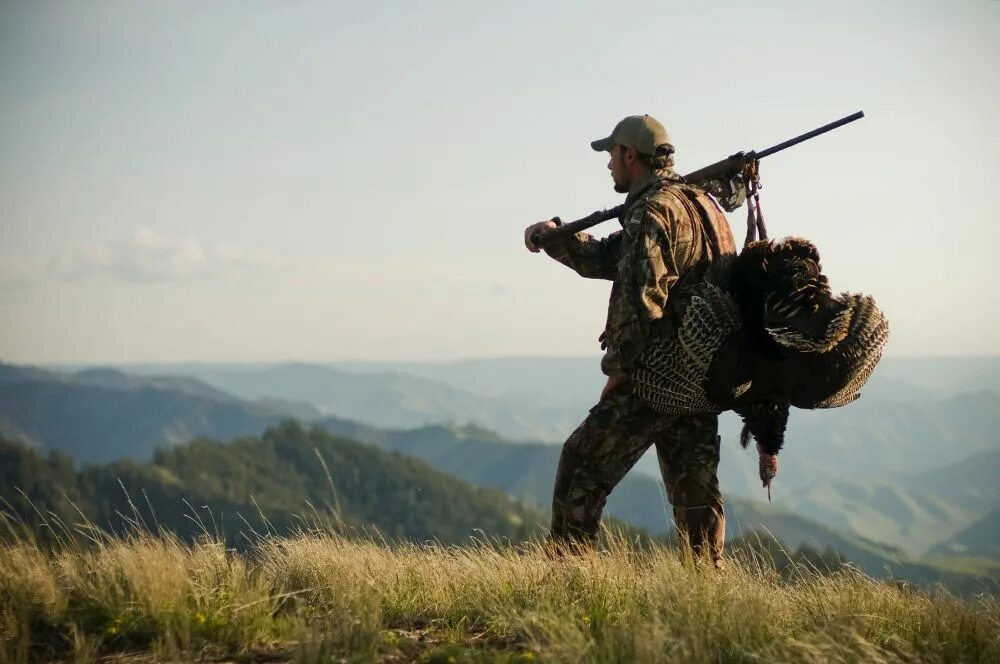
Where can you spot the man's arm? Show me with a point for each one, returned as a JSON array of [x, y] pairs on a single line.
[[589, 257], [586, 255], [647, 271]]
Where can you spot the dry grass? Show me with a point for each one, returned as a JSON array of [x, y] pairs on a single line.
[[321, 597]]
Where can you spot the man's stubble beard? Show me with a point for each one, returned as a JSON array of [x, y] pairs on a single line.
[[620, 187]]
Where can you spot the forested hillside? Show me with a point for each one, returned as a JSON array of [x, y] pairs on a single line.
[[285, 479]]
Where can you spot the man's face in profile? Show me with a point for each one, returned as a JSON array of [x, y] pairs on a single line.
[[616, 164]]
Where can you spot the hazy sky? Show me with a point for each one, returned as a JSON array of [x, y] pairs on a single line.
[[319, 180]]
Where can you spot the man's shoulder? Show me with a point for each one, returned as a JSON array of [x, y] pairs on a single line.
[[663, 200], [680, 207]]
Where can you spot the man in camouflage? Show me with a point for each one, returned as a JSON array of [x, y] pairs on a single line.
[[671, 235]]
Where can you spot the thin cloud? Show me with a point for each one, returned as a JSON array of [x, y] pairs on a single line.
[[150, 257], [18, 274]]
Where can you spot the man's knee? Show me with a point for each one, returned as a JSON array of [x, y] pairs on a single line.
[[690, 442], [692, 478]]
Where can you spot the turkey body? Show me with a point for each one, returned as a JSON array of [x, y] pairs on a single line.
[[768, 336]]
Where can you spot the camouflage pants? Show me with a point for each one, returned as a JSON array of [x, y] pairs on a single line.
[[616, 433]]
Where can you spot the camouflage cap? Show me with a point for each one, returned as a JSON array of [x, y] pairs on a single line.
[[642, 132]]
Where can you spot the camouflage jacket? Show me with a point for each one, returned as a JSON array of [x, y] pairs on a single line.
[[670, 232]]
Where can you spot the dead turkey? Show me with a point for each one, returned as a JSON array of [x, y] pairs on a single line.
[[767, 335]]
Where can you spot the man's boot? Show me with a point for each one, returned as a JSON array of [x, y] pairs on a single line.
[[705, 528]]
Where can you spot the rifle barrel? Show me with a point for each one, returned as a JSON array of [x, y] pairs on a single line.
[[811, 134]]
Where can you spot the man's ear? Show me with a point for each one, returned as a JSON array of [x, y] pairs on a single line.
[[629, 155]]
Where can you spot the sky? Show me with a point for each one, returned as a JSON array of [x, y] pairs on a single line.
[[322, 181]]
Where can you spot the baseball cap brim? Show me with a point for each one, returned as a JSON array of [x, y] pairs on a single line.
[[603, 145]]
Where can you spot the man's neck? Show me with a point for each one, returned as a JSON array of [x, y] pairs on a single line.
[[641, 182]]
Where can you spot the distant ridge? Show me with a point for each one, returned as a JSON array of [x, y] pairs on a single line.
[[103, 415], [979, 540]]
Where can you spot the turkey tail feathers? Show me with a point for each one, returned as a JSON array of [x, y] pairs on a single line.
[[832, 334], [850, 363]]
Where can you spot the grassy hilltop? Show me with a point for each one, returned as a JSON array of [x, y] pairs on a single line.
[[320, 597]]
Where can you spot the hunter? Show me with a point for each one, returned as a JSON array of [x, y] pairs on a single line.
[[672, 234]]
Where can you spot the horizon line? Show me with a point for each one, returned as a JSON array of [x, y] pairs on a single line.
[[458, 360]]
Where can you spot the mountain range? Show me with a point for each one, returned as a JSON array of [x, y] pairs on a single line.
[[881, 474], [916, 512], [101, 416], [915, 415]]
